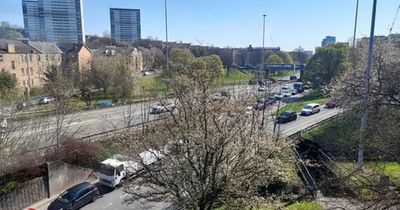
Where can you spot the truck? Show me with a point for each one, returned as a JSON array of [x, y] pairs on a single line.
[[115, 170], [298, 86]]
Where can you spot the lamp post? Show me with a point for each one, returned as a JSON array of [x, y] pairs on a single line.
[[166, 33], [355, 27], [367, 77], [263, 69]]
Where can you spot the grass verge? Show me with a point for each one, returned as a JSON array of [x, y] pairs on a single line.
[[235, 77], [305, 205], [316, 97]]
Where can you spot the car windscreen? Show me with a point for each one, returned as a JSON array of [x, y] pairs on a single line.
[[107, 170], [307, 107], [66, 197], [286, 114]]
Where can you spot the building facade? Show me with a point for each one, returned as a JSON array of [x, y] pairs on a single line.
[[27, 61], [76, 57], [54, 20], [125, 24]]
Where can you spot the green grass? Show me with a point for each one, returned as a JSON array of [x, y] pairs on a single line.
[[316, 97], [235, 77], [106, 151], [149, 85], [305, 205], [390, 169]]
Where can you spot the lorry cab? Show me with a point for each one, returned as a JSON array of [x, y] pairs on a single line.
[[113, 172]]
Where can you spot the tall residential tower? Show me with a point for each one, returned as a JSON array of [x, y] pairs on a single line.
[[54, 20], [125, 24]]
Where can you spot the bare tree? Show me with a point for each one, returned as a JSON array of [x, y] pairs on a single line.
[[382, 139], [209, 152]]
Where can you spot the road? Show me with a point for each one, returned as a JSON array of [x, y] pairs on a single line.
[[115, 199], [82, 124]]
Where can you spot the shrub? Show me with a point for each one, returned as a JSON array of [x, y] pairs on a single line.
[[78, 152]]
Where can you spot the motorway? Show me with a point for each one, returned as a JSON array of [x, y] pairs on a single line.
[[114, 199], [37, 133]]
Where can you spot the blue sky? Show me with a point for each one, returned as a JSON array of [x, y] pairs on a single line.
[[237, 23]]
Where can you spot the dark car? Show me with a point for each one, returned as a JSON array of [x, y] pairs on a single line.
[[287, 116], [331, 103], [75, 197]]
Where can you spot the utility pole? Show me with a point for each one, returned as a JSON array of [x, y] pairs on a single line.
[[364, 118], [166, 33]]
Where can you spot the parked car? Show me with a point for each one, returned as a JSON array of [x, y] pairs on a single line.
[[162, 107], [45, 100], [293, 78], [286, 116], [310, 109], [331, 103], [75, 197]]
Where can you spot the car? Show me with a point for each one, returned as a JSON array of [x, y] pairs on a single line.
[[310, 109], [75, 197], [331, 103], [280, 96], [162, 107], [104, 104], [294, 91], [45, 100], [262, 88], [286, 116], [287, 93]]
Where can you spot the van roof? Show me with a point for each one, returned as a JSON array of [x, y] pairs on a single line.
[[313, 104]]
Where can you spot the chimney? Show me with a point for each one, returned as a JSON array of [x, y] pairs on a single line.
[[11, 48]]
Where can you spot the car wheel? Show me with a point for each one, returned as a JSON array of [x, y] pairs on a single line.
[[94, 197]]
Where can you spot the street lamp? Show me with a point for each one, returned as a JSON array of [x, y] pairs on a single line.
[[364, 118], [166, 32]]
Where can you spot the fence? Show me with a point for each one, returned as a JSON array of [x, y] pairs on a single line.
[[30, 192]]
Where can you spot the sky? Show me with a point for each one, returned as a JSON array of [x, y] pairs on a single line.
[[237, 23]]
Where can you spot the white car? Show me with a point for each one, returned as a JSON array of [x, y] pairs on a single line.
[[262, 88], [310, 109], [45, 100], [162, 107], [294, 91]]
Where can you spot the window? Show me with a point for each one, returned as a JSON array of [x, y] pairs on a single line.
[[1, 58], [38, 58], [30, 58], [27, 71], [32, 71], [2, 70], [23, 82], [47, 57], [22, 71], [22, 58], [13, 64], [33, 82]]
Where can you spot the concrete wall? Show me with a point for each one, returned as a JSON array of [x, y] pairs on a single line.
[[30, 192], [62, 176]]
